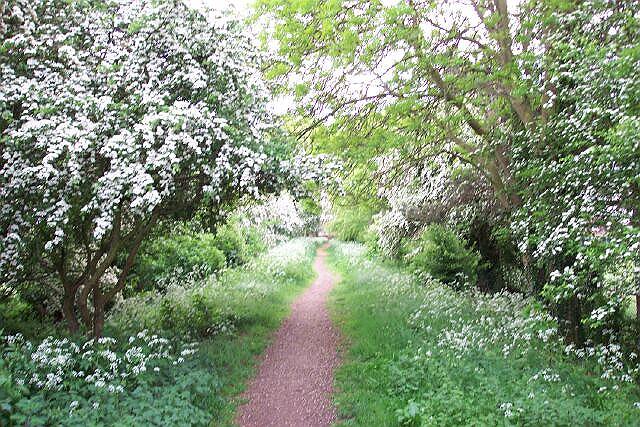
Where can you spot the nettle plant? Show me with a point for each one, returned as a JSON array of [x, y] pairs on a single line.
[[114, 115]]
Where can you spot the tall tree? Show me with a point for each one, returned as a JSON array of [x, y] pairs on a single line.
[[539, 98], [449, 76]]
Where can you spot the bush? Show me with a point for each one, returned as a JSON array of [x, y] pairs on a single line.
[[440, 253], [230, 240], [351, 224], [17, 314], [186, 252], [194, 314], [254, 242], [206, 306], [14, 312]]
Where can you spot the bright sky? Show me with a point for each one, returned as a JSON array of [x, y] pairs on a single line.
[[242, 6]]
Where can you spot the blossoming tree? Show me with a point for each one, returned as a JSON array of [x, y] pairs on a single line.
[[580, 217], [113, 116]]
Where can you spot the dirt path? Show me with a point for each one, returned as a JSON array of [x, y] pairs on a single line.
[[295, 380]]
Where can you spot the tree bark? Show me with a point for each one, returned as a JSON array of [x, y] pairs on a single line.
[[500, 32], [98, 313], [83, 305], [131, 256], [68, 309], [70, 290]]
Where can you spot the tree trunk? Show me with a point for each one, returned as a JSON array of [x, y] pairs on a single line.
[[98, 313], [68, 310], [83, 305]]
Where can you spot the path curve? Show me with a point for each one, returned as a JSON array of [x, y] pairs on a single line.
[[294, 383]]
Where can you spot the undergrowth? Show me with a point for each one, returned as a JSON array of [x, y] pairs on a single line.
[[197, 348], [422, 354]]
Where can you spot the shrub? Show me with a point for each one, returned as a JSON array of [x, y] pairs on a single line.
[[199, 306], [186, 252], [310, 213], [20, 313], [254, 242], [193, 313], [14, 311], [229, 239], [441, 254], [30, 307], [351, 224]]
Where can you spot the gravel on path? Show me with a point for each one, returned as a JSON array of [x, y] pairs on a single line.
[[294, 383]]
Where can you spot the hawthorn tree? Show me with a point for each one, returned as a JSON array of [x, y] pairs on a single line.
[[580, 217], [116, 114]]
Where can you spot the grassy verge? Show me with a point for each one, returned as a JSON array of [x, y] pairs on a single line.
[[177, 358], [421, 354]]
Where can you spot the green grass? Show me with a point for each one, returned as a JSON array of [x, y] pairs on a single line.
[[249, 302], [420, 354], [234, 358]]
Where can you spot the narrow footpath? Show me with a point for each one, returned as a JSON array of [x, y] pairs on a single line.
[[294, 383]]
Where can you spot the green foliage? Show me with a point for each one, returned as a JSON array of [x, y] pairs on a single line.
[[439, 252], [540, 142], [351, 223], [199, 390], [195, 314], [14, 312], [229, 239], [186, 252], [310, 212], [426, 355], [26, 314], [10, 393], [579, 217], [183, 394], [215, 304], [140, 380], [254, 241]]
